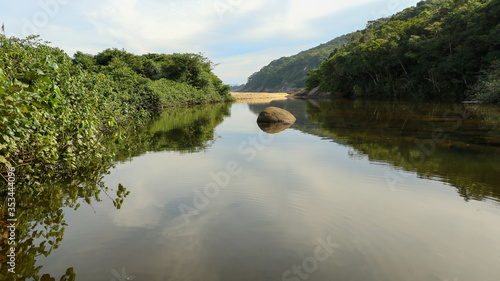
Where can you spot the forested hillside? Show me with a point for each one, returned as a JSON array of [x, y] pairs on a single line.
[[441, 49], [289, 73]]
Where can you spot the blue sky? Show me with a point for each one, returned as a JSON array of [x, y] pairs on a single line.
[[241, 36]]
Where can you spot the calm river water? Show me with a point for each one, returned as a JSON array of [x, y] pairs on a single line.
[[354, 190]]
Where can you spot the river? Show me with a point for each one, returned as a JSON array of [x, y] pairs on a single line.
[[354, 190]]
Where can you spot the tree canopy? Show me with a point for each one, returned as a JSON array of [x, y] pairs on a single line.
[[439, 49]]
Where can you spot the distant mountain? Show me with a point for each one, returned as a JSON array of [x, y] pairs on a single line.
[[289, 73], [236, 88]]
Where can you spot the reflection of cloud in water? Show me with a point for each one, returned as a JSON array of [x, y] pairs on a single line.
[[142, 210], [299, 188], [238, 123], [216, 241], [150, 190]]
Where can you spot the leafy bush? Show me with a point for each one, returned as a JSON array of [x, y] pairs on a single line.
[[48, 111], [488, 87]]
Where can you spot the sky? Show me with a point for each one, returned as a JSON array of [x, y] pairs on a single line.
[[238, 36]]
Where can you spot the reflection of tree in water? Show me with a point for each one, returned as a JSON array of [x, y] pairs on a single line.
[[40, 222], [186, 129], [39, 210], [457, 144]]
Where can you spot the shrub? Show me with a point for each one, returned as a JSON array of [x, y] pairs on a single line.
[[487, 89]]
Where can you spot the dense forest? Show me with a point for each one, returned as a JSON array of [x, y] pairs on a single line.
[[440, 49], [288, 73]]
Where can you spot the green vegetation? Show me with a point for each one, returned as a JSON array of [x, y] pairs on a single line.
[[157, 80], [237, 88], [487, 89], [288, 73], [62, 122], [436, 50], [53, 114], [55, 111]]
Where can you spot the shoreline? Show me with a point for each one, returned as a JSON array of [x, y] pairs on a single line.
[[256, 97]]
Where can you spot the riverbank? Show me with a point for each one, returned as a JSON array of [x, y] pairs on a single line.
[[258, 97], [81, 103]]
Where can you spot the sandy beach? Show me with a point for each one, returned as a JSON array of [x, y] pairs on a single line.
[[258, 97]]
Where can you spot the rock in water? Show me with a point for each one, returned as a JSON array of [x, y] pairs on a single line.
[[276, 115]]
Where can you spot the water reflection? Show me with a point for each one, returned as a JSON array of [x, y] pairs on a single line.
[[184, 129], [454, 143], [273, 128], [42, 224], [293, 192], [296, 193]]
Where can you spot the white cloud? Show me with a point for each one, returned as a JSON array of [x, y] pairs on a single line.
[[146, 26], [294, 19], [190, 25], [263, 30]]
